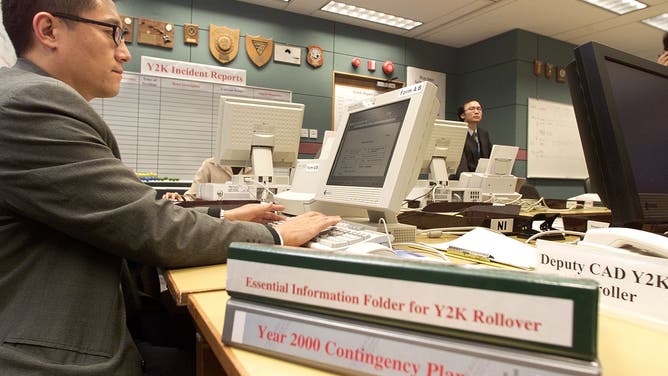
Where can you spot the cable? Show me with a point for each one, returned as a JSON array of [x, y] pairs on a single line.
[[431, 191], [577, 206], [552, 232], [490, 199], [265, 189], [494, 199], [387, 232], [518, 199], [426, 249], [530, 205], [437, 232]]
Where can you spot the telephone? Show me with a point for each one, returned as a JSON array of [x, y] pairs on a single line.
[[626, 239]]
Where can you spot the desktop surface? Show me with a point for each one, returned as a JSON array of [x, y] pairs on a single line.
[[208, 312], [625, 347]]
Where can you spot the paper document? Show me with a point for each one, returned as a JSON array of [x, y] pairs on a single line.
[[487, 245], [594, 197]]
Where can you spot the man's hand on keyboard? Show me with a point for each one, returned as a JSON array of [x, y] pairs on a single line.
[[261, 213], [298, 230]]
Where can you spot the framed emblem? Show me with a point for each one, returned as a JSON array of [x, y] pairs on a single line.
[[561, 74], [549, 70], [538, 67], [259, 49], [314, 56], [223, 43], [190, 34]]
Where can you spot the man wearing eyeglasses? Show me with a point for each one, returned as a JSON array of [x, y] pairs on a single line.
[[71, 212], [478, 144]]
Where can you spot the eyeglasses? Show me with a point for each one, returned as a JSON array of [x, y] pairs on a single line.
[[474, 109], [117, 32]]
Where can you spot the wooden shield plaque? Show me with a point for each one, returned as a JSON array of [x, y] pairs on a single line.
[[259, 49], [223, 43]]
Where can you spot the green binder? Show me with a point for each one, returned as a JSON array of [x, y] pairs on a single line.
[[529, 310]]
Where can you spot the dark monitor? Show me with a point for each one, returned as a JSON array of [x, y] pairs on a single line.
[[621, 107]]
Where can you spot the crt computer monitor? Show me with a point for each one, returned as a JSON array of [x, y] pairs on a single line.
[[501, 160], [621, 107], [380, 150], [444, 150], [258, 133]]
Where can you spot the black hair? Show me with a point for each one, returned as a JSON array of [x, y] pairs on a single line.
[[17, 17], [460, 109]]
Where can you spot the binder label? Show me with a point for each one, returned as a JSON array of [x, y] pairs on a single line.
[[528, 317]]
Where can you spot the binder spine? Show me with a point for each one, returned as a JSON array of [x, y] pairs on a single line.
[[510, 308], [357, 348]]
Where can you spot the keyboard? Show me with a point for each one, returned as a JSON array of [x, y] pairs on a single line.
[[346, 233]]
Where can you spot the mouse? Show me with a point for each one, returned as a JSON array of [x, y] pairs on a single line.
[[370, 248]]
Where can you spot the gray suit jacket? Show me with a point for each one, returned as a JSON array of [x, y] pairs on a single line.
[[70, 211]]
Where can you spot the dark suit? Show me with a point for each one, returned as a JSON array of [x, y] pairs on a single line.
[[470, 157], [70, 212]]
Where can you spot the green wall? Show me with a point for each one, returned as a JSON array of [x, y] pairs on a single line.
[[311, 86], [497, 71]]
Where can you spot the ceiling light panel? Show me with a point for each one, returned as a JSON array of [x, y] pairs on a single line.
[[370, 15], [660, 21], [618, 6]]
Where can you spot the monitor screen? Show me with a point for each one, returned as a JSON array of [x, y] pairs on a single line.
[[642, 102], [367, 146], [380, 150], [258, 133], [621, 107]]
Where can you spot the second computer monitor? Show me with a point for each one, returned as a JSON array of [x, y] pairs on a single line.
[[444, 150], [620, 103], [380, 151], [258, 133]]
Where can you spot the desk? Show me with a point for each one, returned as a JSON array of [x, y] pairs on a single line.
[[629, 348], [183, 282], [208, 312], [447, 214], [624, 347]]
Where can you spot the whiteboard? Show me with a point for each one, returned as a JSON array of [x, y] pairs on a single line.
[[168, 125], [350, 89], [554, 149], [344, 96]]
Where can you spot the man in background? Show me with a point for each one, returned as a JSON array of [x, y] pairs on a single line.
[[209, 172], [477, 143], [71, 212]]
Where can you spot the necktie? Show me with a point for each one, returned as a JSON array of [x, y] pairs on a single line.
[[477, 141]]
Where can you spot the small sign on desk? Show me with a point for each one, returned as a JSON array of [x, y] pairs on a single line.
[[630, 284]]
